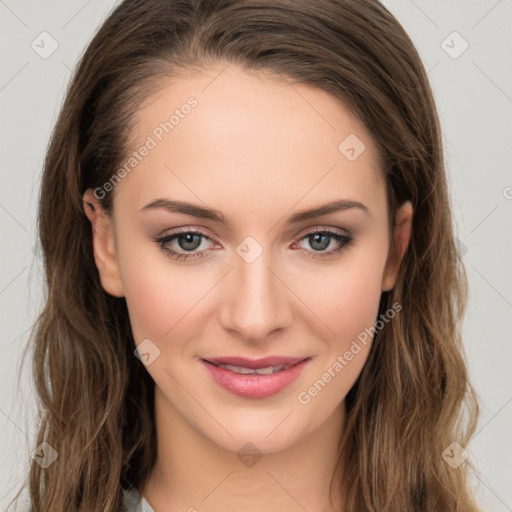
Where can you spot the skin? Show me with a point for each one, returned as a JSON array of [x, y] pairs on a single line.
[[283, 303]]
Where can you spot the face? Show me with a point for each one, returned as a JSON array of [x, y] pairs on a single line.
[[211, 247]]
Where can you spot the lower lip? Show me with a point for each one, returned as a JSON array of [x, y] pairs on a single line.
[[254, 385]]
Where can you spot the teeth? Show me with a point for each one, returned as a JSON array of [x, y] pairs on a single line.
[[260, 371], [269, 370]]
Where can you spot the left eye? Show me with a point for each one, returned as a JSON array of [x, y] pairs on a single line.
[[190, 241], [319, 240]]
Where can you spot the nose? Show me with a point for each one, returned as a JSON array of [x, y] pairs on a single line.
[[257, 300]]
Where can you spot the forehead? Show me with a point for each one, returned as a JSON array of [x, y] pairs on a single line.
[[232, 132]]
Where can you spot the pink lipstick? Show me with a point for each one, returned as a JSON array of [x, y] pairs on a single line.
[[254, 378]]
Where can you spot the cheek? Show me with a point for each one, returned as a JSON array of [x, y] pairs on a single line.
[[157, 295], [345, 297], [349, 307], [150, 305], [359, 295]]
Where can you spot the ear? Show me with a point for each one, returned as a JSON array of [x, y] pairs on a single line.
[[401, 238], [103, 245]]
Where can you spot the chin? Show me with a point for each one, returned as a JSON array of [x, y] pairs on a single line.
[[263, 432]]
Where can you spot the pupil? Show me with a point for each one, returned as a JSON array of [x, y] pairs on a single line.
[[188, 243], [317, 239]]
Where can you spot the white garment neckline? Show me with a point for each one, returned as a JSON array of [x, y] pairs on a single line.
[[137, 502], [146, 507]]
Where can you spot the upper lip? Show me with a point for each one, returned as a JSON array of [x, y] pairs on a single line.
[[265, 362]]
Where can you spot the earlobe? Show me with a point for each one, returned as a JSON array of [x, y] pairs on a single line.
[[401, 238], [103, 245]]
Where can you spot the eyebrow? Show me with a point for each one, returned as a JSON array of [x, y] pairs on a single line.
[[208, 213], [334, 207]]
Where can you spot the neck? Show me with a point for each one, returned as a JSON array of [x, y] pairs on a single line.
[[192, 473]]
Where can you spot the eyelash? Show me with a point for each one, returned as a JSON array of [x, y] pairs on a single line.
[[163, 242]]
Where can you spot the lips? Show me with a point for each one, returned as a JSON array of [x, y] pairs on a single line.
[[254, 378], [255, 363]]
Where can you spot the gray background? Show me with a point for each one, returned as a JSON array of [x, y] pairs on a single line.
[[473, 90]]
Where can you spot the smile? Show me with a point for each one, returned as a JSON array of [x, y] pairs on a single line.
[[248, 371], [256, 382]]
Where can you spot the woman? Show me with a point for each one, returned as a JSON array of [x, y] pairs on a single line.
[[254, 294]]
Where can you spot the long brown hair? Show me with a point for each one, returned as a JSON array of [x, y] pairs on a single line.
[[96, 398]]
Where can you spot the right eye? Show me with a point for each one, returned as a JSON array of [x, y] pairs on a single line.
[[188, 241]]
